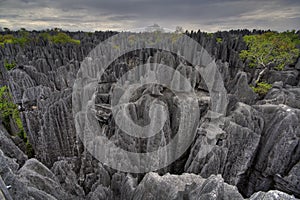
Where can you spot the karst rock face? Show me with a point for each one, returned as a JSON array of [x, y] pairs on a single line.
[[255, 153]]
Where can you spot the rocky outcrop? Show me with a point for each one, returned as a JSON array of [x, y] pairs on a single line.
[[251, 151], [32, 181], [241, 89], [279, 149], [190, 186], [41, 84], [282, 95], [271, 195], [233, 151], [289, 77], [290, 182], [35, 181], [9, 148]]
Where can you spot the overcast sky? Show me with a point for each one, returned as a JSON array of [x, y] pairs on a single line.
[[206, 15]]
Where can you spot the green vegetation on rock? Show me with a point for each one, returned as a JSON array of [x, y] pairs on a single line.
[[219, 40], [6, 39], [271, 49], [63, 38], [210, 35], [45, 36], [9, 114], [262, 88], [9, 65], [58, 38], [23, 37], [10, 39]]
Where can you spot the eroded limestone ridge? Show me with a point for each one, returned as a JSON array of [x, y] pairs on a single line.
[[256, 154]]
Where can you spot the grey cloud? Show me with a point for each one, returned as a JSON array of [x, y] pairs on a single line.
[[9, 16], [123, 14], [122, 17]]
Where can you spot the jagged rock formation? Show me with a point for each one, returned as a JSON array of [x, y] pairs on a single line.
[[256, 153]]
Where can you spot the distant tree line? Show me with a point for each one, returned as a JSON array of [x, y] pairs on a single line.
[[22, 37]]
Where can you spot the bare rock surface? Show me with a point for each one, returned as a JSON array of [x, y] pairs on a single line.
[[254, 152]]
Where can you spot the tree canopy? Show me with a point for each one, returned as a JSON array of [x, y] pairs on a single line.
[[63, 38], [23, 37], [271, 48]]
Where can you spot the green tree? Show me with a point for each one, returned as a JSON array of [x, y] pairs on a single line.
[[6, 29], [45, 36], [271, 49], [56, 29], [63, 38], [10, 39]]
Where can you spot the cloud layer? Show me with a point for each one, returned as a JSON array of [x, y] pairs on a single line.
[[209, 15]]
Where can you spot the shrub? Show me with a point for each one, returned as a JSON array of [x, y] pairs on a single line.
[[8, 111], [219, 40], [7, 107], [10, 39], [6, 39], [45, 36], [24, 38], [262, 88], [63, 38], [8, 65], [59, 38], [210, 35]]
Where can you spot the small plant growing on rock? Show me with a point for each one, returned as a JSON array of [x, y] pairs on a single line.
[[9, 65], [9, 111], [262, 88]]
